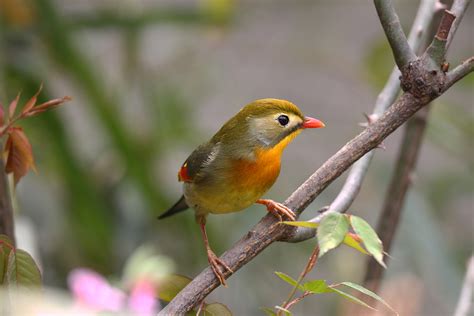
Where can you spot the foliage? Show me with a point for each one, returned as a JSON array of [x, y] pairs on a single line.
[[322, 287], [332, 231], [18, 150], [17, 268]]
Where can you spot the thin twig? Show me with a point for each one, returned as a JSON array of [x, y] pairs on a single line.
[[402, 52], [313, 258], [460, 71], [296, 300], [6, 209], [466, 296]]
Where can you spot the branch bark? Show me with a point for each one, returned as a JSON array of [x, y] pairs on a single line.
[[402, 52], [6, 208], [460, 71]]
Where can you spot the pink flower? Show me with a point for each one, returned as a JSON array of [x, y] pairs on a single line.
[[93, 291], [142, 298]]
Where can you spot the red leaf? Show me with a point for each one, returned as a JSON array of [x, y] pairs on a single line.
[[12, 106], [19, 154], [48, 105], [31, 102]]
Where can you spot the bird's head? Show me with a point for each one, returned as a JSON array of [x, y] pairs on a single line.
[[265, 123]]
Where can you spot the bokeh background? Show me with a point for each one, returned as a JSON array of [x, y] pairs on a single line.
[[151, 80]]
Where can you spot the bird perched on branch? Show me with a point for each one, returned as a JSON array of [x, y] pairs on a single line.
[[239, 164]]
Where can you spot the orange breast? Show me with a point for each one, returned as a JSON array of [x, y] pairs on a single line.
[[260, 174]]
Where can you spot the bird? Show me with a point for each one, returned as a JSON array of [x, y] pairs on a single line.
[[238, 165]]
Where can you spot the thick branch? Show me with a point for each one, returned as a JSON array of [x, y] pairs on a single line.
[[402, 52], [395, 197], [466, 297], [6, 209]]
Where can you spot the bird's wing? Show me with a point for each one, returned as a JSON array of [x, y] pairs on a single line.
[[193, 168]]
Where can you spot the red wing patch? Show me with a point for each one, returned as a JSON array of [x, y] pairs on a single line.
[[183, 175]]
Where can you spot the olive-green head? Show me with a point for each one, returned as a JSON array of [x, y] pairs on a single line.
[[263, 123]]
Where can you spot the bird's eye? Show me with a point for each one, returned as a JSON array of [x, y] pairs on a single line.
[[283, 120]]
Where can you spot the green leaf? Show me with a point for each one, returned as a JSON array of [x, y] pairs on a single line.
[[316, 286], [268, 311], [352, 298], [171, 285], [371, 241], [217, 309], [302, 224], [367, 292], [289, 280], [22, 270], [4, 239], [351, 240], [6, 246], [331, 231]]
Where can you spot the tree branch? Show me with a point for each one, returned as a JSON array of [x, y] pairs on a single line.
[[402, 52], [437, 49], [458, 8], [466, 297], [345, 198], [460, 71], [6, 209], [422, 85]]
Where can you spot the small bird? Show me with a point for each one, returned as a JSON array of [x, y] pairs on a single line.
[[239, 164]]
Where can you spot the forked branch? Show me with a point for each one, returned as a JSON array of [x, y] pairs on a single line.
[[433, 83]]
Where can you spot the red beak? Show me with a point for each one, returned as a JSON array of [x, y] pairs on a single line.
[[310, 122]]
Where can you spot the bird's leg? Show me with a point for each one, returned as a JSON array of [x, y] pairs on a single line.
[[277, 209], [214, 261]]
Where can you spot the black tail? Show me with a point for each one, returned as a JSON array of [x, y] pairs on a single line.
[[178, 207]]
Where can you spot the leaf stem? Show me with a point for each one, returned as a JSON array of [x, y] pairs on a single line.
[[309, 266]]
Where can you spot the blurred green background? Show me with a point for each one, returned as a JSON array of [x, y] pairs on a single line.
[[150, 80]]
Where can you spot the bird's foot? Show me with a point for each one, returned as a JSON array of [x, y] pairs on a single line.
[[277, 209], [216, 265]]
